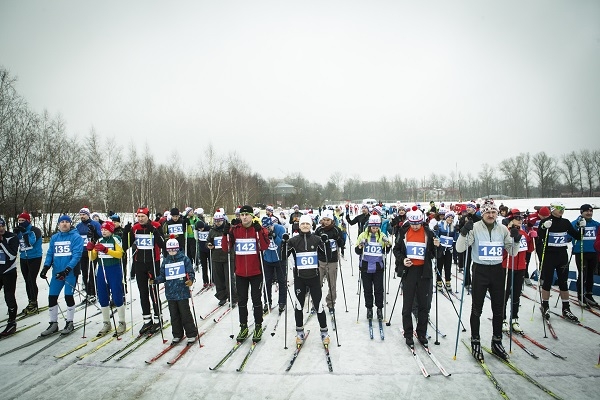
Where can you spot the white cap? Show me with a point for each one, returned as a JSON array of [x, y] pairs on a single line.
[[327, 214], [306, 218]]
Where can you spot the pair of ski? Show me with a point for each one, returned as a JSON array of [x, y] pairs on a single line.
[[381, 334], [21, 329], [301, 345], [135, 344], [182, 352], [82, 345], [22, 316], [431, 356], [235, 347], [60, 337], [535, 342]]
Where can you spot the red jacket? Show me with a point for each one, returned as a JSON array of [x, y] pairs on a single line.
[[525, 246], [243, 241], [597, 245], [140, 235]]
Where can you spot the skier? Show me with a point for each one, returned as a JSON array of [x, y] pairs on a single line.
[[304, 248], [63, 255], [223, 264], [371, 246], [247, 239], [517, 270], [414, 250], [89, 230], [589, 257], [202, 229], [177, 273], [274, 265], [110, 276], [446, 230], [147, 243], [328, 255], [551, 246], [9, 249], [361, 219], [30, 246], [487, 239]]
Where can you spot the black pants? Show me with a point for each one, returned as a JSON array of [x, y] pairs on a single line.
[[191, 249], [301, 286], [461, 263], [30, 269], [415, 287], [182, 319], [590, 263], [8, 282], [444, 266], [558, 262], [515, 280], [203, 256], [221, 280], [254, 283], [273, 269], [487, 278], [141, 276], [373, 282]]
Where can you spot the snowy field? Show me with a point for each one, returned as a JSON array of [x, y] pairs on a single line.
[[362, 368]]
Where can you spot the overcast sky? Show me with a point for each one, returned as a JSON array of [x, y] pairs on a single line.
[[361, 88]]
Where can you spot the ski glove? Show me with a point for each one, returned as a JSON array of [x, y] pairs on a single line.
[[285, 237], [324, 238], [63, 274], [225, 229], [100, 247], [89, 246], [533, 234], [467, 227], [44, 272], [581, 223], [547, 224], [189, 283], [514, 233]]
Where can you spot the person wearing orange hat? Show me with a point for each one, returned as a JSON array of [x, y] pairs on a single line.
[[109, 280]]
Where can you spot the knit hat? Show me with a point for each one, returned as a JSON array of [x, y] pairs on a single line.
[[266, 221], [28, 217], [442, 211], [364, 206], [374, 220], [585, 207], [414, 216], [295, 206], [109, 226], [256, 211], [172, 243], [143, 210], [64, 217], [85, 210], [472, 205], [544, 212], [305, 219], [218, 217], [115, 218], [270, 208], [488, 206], [94, 215], [449, 214], [246, 209], [237, 210], [327, 214], [174, 211], [513, 213], [556, 205]]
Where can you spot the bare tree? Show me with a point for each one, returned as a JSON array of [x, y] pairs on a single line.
[[544, 168], [569, 169], [587, 162]]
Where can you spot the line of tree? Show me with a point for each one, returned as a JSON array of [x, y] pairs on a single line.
[[46, 171]]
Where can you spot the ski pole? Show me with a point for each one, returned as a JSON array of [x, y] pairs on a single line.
[[342, 278], [154, 290], [396, 299], [109, 293], [194, 311], [437, 331], [462, 298], [541, 266]]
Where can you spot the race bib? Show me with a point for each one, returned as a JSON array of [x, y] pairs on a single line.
[[175, 229], [2, 257], [557, 239], [244, 247], [522, 244], [373, 249], [272, 245], [490, 251], [307, 260], [202, 236], [144, 241], [446, 241], [85, 239], [174, 270], [217, 242], [333, 245], [23, 246], [589, 233], [415, 250], [62, 249]]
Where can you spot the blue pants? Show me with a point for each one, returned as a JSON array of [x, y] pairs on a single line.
[[110, 277]]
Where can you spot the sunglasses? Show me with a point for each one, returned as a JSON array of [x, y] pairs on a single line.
[[559, 208], [518, 217], [245, 214]]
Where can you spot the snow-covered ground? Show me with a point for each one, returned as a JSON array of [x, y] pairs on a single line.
[[362, 368]]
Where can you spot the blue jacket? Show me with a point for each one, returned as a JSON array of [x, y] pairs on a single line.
[[174, 271], [64, 251], [273, 253], [30, 242], [589, 236], [83, 230]]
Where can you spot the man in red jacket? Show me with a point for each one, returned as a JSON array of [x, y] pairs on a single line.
[[247, 239]]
